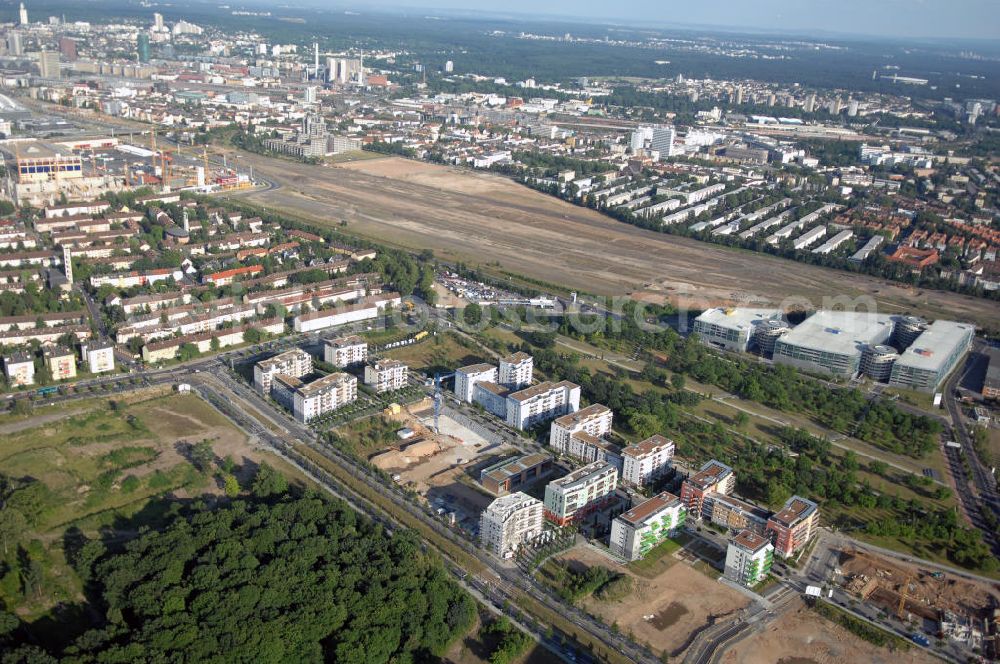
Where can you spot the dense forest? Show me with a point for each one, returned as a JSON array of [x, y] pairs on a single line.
[[275, 577]]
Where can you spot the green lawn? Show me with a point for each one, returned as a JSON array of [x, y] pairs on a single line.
[[659, 558]]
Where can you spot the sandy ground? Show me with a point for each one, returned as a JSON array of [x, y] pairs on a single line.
[[800, 636], [681, 600], [482, 218], [949, 592]]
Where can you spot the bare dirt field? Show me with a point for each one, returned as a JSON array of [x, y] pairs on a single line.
[[490, 220], [801, 636], [667, 610]]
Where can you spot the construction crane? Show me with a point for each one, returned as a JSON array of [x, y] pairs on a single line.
[[903, 594], [439, 398]]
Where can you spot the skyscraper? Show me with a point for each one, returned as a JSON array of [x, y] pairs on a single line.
[[48, 64], [14, 46], [449, 66], [663, 141], [23, 15], [142, 47], [158, 21], [67, 47]]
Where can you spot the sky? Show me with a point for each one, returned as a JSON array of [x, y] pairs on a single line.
[[971, 19]]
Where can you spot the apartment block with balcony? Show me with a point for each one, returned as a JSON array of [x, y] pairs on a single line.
[[540, 403], [647, 461], [510, 521], [714, 477], [586, 489], [345, 352], [793, 526], [467, 377], [646, 525], [594, 420], [516, 371], [295, 362], [386, 375], [748, 558]]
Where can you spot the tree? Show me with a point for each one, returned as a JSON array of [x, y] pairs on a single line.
[[12, 527], [202, 455], [232, 485], [677, 381], [472, 314], [268, 482]]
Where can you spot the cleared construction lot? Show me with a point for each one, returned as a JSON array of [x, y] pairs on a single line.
[[484, 219]]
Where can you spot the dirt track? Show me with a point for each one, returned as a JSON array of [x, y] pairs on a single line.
[[483, 219]]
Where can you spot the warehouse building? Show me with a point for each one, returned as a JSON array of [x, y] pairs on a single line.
[[933, 355], [832, 342]]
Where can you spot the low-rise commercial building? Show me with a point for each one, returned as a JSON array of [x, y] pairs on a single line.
[[714, 477], [345, 351], [295, 362], [510, 521], [569, 498], [748, 559], [511, 475], [646, 525], [793, 526], [647, 461], [732, 328], [932, 356], [467, 377], [832, 342], [386, 375]]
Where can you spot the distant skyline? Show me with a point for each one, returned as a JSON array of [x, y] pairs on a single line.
[[971, 19]]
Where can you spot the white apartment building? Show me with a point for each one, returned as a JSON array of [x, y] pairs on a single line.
[[582, 491], [516, 371], [748, 558], [644, 526], [647, 461], [324, 395], [20, 369], [295, 363], [100, 358], [345, 351], [386, 375], [508, 522], [594, 420], [542, 402], [467, 377]]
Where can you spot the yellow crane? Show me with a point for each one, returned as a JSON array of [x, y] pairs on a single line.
[[903, 594]]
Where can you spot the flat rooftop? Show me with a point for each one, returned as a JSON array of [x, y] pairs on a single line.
[[512, 467], [541, 388], [795, 510], [590, 470], [654, 505], [652, 444], [482, 367], [330, 381], [840, 332], [516, 358], [935, 345], [710, 474], [344, 342], [582, 415], [751, 541], [287, 356], [737, 317]]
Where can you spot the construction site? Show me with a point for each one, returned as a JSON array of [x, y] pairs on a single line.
[[933, 601], [82, 168], [440, 467]]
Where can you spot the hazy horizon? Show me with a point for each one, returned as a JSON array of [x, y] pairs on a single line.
[[899, 19]]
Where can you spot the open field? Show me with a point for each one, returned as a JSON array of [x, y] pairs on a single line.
[[481, 219], [666, 609], [801, 636]]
